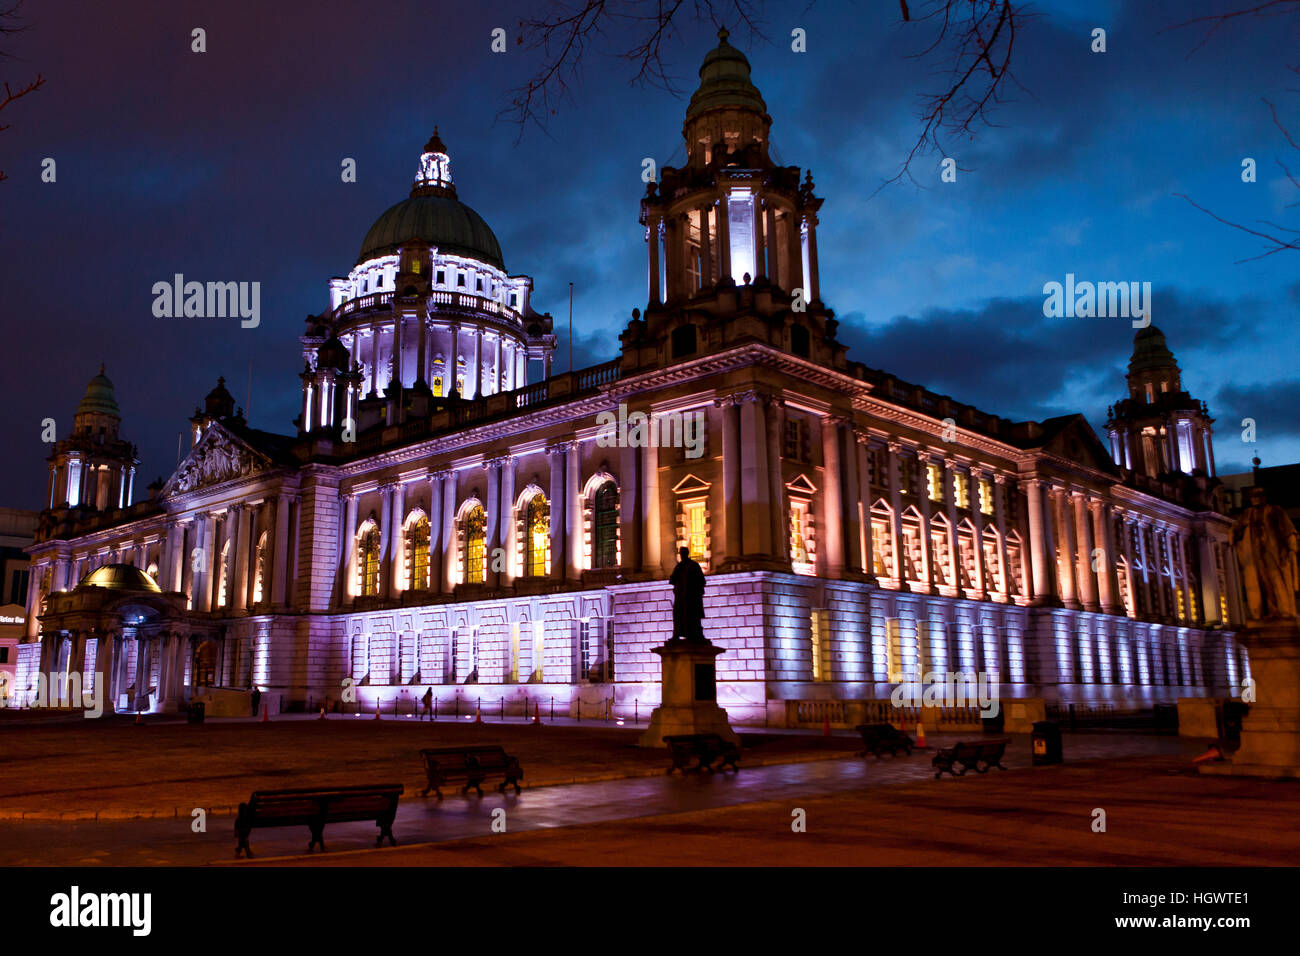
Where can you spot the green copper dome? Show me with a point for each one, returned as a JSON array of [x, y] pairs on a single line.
[[1150, 351], [120, 577], [441, 221], [724, 82], [99, 398]]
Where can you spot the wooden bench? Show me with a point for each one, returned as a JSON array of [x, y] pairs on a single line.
[[705, 749], [879, 738], [314, 807], [473, 765], [970, 756]]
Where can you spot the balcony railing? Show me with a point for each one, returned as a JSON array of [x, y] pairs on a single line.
[[464, 301]]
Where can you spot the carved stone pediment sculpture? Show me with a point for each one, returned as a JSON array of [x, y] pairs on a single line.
[[218, 457]]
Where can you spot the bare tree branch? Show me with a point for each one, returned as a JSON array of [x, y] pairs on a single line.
[[10, 25]]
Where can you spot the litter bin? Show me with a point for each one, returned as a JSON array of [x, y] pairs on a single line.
[[195, 711], [1045, 743]]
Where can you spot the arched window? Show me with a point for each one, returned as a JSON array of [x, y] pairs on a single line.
[[537, 536], [417, 552], [604, 538], [368, 558], [475, 545], [259, 571]]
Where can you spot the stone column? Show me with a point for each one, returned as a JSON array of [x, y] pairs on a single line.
[[730, 477], [453, 361], [1103, 537], [435, 530], [1066, 562], [896, 505], [851, 501], [1083, 530], [629, 510], [773, 250], [280, 559], [449, 531], [652, 557], [760, 266], [508, 520], [240, 558], [780, 509], [755, 481], [652, 240], [1209, 579], [557, 455], [706, 249], [814, 292], [1038, 545], [867, 545], [374, 357], [349, 545], [399, 320], [495, 512], [422, 342], [950, 509], [478, 363], [974, 483], [999, 492], [573, 500], [387, 537], [143, 667], [831, 516], [397, 542], [923, 499], [724, 238], [521, 368]]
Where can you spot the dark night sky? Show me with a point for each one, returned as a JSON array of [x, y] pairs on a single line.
[[225, 166]]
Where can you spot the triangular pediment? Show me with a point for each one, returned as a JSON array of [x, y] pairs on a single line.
[[802, 485], [1076, 440], [691, 484], [219, 456]]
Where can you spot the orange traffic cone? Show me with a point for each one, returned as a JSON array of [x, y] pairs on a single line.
[[920, 735], [826, 727], [322, 713], [1214, 753], [139, 718], [377, 717], [537, 715], [266, 713], [478, 714]]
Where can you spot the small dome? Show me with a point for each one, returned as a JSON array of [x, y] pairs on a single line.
[[219, 403], [1150, 351], [440, 221], [99, 398], [120, 577], [725, 82]]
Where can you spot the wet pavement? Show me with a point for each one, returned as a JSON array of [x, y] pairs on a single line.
[[457, 817]]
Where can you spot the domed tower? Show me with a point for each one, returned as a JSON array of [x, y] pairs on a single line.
[[218, 405], [428, 310], [730, 234], [94, 467], [1159, 429]]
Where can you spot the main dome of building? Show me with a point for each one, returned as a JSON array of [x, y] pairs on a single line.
[[432, 214], [441, 221]]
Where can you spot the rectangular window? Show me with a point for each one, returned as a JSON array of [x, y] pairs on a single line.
[[4, 655], [696, 538], [442, 277], [584, 649], [817, 624], [961, 488], [934, 478], [460, 279], [894, 651], [986, 497]]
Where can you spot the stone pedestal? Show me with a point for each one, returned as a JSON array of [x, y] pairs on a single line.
[[1270, 734], [690, 694]]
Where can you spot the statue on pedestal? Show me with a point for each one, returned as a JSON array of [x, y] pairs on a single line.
[[1266, 544], [688, 598]]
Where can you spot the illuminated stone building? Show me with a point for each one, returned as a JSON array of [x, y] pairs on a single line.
[[444, 519]]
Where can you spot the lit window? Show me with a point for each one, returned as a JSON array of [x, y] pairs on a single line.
[[986, 496], [259, 574], [417, 554], [961, 488], [476, 545], [368, 559], [696, 540], [537, 536], [935, 479], [604, 553]]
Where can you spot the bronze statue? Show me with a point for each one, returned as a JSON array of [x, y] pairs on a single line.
[[1266, 543], [688, 598]]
